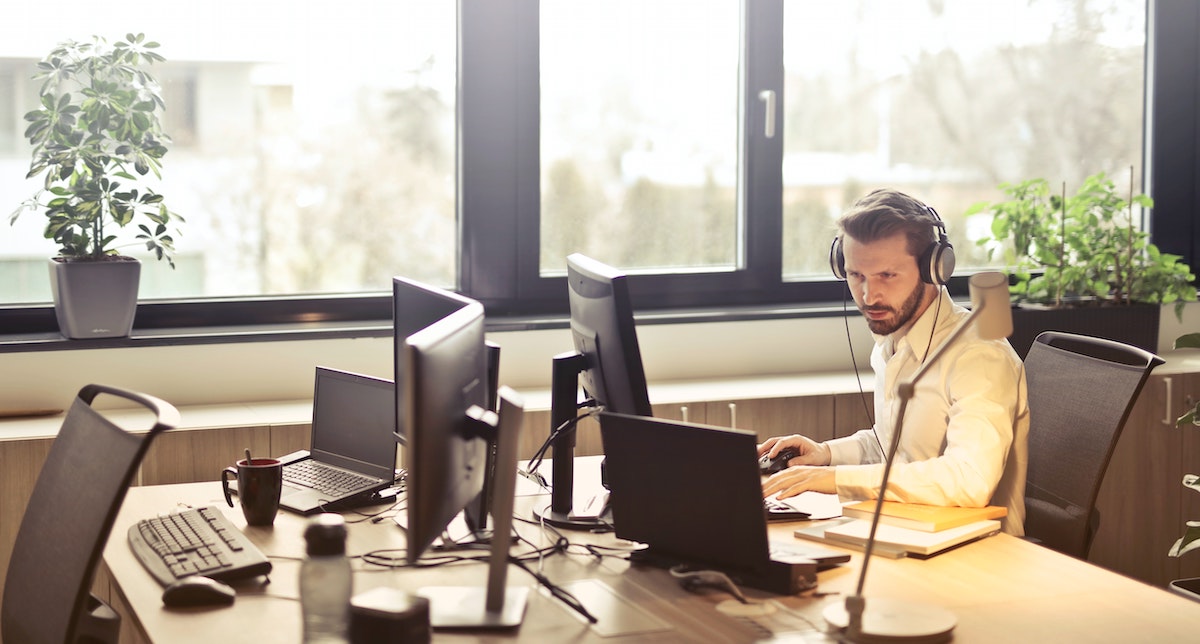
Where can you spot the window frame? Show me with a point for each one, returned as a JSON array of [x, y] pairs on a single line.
[[498, 187]]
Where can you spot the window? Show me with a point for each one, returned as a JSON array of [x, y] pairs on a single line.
[[10, 121], [947, 100], [313, 146], [704, 146], [638, 133]]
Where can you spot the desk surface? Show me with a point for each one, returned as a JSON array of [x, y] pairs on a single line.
[[1001, 589]]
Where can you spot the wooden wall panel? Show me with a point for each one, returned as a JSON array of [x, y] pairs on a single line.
[[20, 463]]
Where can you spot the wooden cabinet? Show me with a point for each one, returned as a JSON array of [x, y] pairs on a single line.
[[766, 417], [20, 463], [1143, 504], [1189, 565], [199, 455]]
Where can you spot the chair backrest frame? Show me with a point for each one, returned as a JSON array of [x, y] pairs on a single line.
[[80, 489], [1081, 392]]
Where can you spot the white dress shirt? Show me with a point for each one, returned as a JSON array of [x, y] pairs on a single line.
[[964, 436]]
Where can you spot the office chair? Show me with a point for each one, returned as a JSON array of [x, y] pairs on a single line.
[[1081, 390], [47, 593]]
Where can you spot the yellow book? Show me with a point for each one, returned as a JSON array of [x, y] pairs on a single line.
[[926, 518], [916, 543]]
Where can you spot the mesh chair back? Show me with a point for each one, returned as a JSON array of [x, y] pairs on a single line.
[[1081, 390], [75, 500]]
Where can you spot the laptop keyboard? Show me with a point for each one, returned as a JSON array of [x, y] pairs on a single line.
[[326, 480]]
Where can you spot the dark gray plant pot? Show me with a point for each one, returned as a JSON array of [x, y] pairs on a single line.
[[1136, 324], [95, 299]]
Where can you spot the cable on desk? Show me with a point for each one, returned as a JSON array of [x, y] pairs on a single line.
[[693, 580], [596, 550], [557, 591], [376, 516], [394, 558]]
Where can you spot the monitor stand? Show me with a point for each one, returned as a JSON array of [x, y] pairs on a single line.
[[496, 605], [564, 410], [466, 607]]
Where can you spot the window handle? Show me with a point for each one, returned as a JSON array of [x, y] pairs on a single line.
[[767, 96]]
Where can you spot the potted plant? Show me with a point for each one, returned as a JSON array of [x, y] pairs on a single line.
[[96, 137], [1080, 264]]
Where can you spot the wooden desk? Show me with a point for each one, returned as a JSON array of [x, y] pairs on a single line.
[[1001, 589]]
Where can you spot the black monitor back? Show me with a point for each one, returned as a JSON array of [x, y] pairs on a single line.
[[603, 331]]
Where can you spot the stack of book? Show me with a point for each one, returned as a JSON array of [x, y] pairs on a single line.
[[907, 529]]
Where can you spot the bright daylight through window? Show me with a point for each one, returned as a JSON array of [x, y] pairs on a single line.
[[639, 132], [313, 144], [949, 99], [944, 99]]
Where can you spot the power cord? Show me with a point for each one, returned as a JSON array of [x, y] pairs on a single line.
[[693, 580], [393, 558], [557, 591], [566, 426]]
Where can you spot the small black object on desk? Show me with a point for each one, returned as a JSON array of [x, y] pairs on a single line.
[[770, 465], [198, 591]]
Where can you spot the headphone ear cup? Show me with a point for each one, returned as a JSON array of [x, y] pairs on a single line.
[[837, 261], [937, 262], [945, 263]]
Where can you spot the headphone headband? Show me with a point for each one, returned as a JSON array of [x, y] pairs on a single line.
[[936, 262]]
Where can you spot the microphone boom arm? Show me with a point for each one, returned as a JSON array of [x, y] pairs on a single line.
[[856, 603]]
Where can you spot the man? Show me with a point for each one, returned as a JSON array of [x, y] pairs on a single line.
[[963, 440]]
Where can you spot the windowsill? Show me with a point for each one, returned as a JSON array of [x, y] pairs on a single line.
[[17, 343], [14, 343], [248, 364]]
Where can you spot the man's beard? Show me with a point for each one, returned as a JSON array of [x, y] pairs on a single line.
[[907, 310]]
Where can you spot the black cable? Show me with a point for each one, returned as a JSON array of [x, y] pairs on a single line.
[[936, 312], [392, 558], [564, 596], [567, 425], [862, 395]]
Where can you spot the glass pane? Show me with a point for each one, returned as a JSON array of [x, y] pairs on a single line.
[[313, 145], [946, 100], [639, 133]]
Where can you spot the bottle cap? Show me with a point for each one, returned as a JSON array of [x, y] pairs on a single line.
[[326, 535]]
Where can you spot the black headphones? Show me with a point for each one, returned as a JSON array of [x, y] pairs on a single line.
[[936, 262]]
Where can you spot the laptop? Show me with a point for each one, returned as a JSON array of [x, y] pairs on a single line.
[[693, 495], [353, 451]]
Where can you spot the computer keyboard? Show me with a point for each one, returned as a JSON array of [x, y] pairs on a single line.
[[195, 541], [328, 480]]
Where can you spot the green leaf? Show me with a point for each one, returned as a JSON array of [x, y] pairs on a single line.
[[1188, 341]]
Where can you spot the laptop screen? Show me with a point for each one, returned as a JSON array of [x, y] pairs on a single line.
[[687, 491], [353, 421]]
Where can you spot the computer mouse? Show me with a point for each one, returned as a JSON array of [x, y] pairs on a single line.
[[769, 465], [198, 591]]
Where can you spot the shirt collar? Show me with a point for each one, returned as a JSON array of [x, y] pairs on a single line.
[[923, 327]]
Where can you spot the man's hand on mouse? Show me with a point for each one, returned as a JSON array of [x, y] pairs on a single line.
[[806, 472], [810, 451]]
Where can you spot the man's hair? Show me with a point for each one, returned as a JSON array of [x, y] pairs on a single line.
[[885, 212]]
